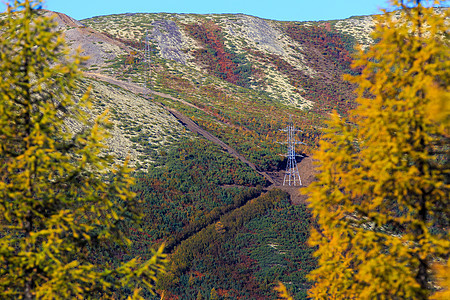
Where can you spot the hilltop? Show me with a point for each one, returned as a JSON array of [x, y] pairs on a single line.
[[283, 60], [237, 76]]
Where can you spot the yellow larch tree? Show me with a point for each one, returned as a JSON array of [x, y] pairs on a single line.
[[382, 194], [58, 198]]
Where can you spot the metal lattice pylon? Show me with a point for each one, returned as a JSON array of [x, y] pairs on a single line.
[[292, 175], [148, 63]]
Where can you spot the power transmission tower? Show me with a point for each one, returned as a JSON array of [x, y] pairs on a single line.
[[292, 176], [148, 64]]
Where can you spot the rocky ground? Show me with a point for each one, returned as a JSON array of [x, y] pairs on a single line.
[[98, 47]]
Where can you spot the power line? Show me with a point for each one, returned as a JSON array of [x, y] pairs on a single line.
[[292, 175], [148, 63]]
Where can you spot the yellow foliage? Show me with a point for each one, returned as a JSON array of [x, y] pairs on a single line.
[[282, 292], [213, 295], [443, 278], [220, 228], [381, 193], [58, 197]]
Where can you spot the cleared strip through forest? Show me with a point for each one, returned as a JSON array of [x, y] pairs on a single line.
[[214, 216], [192, 126], [187, 122]]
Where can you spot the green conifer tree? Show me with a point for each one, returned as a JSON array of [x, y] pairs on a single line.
[[382, 197], [57, 198]]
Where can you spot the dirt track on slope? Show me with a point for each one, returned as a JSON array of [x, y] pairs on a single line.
[[187, 122], [136, 88], [306, 168], [307, 175], [195, 128]]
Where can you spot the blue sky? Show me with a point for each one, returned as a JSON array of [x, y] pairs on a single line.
[[286, 10]]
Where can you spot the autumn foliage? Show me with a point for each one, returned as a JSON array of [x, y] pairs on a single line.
[[217, 59], [382, 193], [59, 199]]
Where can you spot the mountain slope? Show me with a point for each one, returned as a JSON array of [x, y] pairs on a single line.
[[238, 76], [201, 126], [264, 55]]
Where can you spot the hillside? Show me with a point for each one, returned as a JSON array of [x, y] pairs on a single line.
[[202, 107], [287, 62], [237, 76], [201, 126]]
